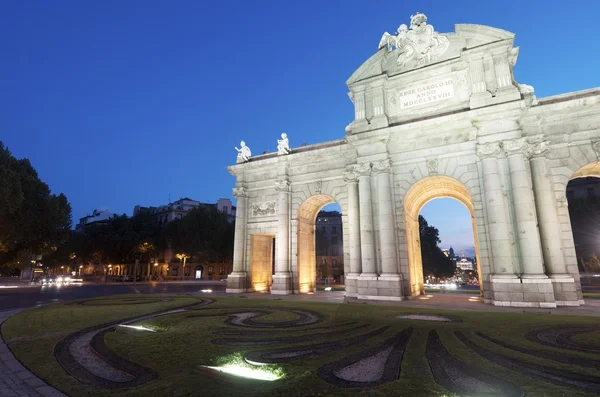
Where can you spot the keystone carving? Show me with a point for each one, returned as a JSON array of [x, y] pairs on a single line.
[[432, 166], [596, 147]]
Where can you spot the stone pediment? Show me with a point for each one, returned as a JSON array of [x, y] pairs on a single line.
[[418, 72], [419, 45]]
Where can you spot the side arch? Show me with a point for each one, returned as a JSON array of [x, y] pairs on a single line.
[[306, 247]]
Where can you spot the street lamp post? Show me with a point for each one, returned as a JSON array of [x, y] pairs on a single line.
[[182, 257]]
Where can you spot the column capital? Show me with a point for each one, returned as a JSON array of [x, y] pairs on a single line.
[[363, 169], [516, 146], [282, 185], [350, 176], [382, 166], [240, 192], [539, 149], [489, 150]]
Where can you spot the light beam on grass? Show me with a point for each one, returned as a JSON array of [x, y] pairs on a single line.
[[245, 372], [137, 327]]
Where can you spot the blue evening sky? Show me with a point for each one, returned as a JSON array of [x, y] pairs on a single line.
[[118, 103]]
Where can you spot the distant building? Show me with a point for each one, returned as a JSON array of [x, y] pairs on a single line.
[[98, 217], [180, 208], [465, 265], [581, 188], [329, 246]]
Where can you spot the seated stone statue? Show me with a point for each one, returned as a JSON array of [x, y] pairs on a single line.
[[244, 153], [283, 145]]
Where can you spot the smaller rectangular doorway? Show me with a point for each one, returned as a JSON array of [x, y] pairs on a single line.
[[261, 261]]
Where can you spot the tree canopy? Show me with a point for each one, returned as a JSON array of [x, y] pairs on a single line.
[[433, 259], [204, 235], [33, 221]]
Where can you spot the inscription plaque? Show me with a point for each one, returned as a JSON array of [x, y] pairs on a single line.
[[427, 93]]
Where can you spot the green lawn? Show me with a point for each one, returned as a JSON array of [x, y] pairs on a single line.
[[184, 342], [591, 295]]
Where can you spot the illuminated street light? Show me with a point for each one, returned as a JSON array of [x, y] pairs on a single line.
[[184, 257]]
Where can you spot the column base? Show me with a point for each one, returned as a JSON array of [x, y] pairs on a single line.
[[565, 290], [350, 285], [528, 291], [282, 284], [387, 287], [236, 283]]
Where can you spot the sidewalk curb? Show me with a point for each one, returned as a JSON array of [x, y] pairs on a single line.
[[15, 378]]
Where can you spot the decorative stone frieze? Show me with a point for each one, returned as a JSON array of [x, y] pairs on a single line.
[[264, 208]]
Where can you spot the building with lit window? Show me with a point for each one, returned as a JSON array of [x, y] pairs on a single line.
[[329, 247]]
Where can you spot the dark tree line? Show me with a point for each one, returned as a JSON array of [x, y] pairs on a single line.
[[33, 220], [433, 259], [204, 235]]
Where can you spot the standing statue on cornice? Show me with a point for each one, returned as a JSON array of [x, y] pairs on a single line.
[[283, 145], [244, 153]]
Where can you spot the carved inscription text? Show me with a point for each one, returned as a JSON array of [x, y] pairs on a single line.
[[426, 93]]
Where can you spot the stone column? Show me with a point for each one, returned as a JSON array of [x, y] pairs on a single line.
[[528, 238], [389, 261], [564, 285], [282, 277], [353, 234], [547, 213], [353, 224], [236, 281], [369, 268], [495, 205]]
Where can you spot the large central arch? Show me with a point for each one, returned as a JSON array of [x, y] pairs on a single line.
[[419, 194], [307, 215]]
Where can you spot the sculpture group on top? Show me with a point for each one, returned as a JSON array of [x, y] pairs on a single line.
[[419, 42], [283, 148]]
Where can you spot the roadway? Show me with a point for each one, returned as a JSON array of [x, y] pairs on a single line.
[[30, 296]]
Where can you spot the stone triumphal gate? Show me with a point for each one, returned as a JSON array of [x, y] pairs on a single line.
[[436, 115]]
